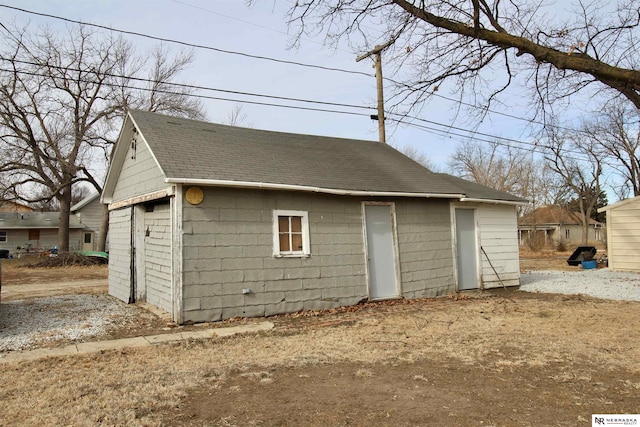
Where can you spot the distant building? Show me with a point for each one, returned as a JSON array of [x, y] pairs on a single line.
[[21, 231], [552, 225], [10, 206]]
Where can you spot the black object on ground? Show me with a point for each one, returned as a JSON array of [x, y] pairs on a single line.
[[582, 253]]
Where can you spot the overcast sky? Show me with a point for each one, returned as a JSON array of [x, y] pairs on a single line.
[[262, 30]]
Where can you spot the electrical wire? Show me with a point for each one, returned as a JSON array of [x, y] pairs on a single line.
[[260, 57], [183, 43]]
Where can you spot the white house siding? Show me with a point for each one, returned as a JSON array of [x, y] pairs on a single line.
[[157, 257], [425, 248], [228, 247], [498, 226], [120, 253], [90, 215], [623, 236], [140, 174]]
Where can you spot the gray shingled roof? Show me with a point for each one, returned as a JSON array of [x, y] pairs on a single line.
[[192, 149], [473, 190], [195, 150], [34, 220]]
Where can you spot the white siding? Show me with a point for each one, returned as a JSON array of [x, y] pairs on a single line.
[[157, 257], [120, 254], [623, 236], [140, 174], [498, 230]]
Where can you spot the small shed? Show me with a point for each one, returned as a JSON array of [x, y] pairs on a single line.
[[209, 221], [623, 234]]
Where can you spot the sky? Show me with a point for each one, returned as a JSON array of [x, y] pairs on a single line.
[[261, 30]]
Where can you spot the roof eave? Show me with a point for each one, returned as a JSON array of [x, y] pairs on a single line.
[[304, 188], [494, 201]]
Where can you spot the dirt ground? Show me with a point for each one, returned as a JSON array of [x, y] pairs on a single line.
[[505, 358]]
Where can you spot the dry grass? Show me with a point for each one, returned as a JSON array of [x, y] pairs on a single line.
[[138, 387]]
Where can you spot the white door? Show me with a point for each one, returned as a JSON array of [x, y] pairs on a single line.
[[380, 252], [87, 241], [466, 249]]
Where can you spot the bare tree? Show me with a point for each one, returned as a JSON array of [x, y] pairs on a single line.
[[480, 46], [502, 168], [578, 162], [62, 99], [237, 117], [419, 156], [617, 132]]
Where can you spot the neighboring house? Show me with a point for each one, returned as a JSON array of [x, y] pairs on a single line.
[[36, 230], [88, 212], [10, 206], [209, 222], [552, 225], [623, 234]]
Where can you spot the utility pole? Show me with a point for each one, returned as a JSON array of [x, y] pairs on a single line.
[[377, 51]]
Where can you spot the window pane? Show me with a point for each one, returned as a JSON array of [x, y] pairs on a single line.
[[3, 236], [296, 224], [284, 242], [283, 224], [296, 240]]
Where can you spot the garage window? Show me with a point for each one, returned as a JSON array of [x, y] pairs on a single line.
[[291, 233], [3, 236]]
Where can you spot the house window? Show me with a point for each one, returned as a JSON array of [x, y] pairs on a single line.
[[567, 234], [3, 236], [291, 233], [597, 232], [88, 238]]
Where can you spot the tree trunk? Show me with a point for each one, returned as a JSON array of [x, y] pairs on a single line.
[[104, 229], [63, 227]]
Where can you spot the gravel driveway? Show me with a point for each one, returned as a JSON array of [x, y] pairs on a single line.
[[599, 283], [36, 322]]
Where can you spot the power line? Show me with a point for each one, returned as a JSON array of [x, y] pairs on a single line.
[[268, 104], [260, 57], [448, 132], [195, 87], [182, 43]]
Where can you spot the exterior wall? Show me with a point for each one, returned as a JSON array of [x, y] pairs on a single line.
[[140, 174], [425, 248], [157, 257], [498, 237], [228, 248], [623, 236], [90, 215], [120, 253], [48, 239]]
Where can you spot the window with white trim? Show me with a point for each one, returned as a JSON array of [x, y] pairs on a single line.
[[3, 236], [291, 233]]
